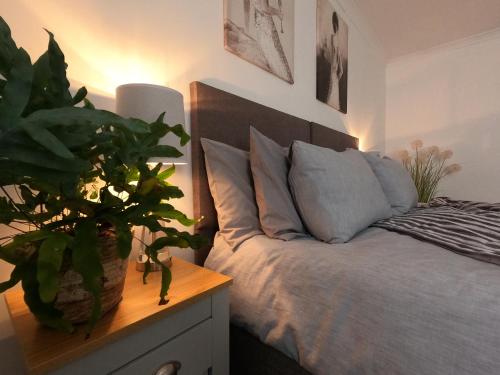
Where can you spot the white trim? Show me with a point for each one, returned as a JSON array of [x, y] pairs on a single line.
[[458, 44]]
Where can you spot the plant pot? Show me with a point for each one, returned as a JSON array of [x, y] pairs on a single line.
[[75, 301]]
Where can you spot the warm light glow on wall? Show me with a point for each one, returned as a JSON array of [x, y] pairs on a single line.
[[361, 145], [361, 135], [111, 69], [102, 53], [362, 128]]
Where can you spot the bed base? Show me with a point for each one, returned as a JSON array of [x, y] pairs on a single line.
[[249, 356]]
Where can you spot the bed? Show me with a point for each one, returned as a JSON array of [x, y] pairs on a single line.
[[384, 303]]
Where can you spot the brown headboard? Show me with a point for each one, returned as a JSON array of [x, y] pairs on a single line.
[[224, 117]]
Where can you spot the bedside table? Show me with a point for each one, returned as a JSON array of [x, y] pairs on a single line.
[[190, 333]]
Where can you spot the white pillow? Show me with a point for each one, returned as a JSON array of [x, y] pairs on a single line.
[[230, 181], [336, 193], [396, 182], [269, 162]]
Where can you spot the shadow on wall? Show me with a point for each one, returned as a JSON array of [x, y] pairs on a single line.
[[475, 148], [101, 100]]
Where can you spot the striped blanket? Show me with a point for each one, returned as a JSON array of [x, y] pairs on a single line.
[[468, 228]]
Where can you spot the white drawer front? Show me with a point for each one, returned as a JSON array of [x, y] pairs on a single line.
[[118, 354], [192, 350]]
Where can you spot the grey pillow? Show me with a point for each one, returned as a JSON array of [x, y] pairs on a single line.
[[269, 164], [396, 182], [230, 182], [336, 193]]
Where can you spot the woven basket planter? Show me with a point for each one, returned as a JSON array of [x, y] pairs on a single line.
[[76, 302]]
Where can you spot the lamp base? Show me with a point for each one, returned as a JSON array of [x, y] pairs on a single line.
[[164, 257]]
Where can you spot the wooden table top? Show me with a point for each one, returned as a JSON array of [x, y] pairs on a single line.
[[45, 349]]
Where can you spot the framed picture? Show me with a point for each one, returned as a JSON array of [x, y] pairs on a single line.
[[262, 32], [331, 57]]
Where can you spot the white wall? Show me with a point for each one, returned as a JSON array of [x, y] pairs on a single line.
[[450, 96], [172, 42], [175, 42]]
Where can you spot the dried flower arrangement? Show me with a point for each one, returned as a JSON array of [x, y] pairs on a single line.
[[427, 166]]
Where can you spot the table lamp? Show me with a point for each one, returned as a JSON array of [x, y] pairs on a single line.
[[147, 102]]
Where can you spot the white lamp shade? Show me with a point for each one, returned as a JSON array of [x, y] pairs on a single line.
[[147, 102]]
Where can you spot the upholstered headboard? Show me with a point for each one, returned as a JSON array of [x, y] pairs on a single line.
[[224, 117]]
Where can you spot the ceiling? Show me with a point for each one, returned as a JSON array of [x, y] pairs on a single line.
[[407, 26]]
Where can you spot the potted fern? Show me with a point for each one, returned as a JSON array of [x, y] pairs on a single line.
[[62, 163]]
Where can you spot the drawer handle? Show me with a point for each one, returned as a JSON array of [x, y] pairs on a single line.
[[169, 368]]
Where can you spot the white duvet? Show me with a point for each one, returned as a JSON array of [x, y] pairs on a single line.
[[382, 304]]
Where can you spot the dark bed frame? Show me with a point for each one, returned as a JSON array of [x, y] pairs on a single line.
[[224, 117]]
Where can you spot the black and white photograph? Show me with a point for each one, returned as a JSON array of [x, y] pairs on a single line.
[[331, 57], [262, 32]]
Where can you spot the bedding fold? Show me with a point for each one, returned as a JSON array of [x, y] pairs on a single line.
[[467, 228]]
